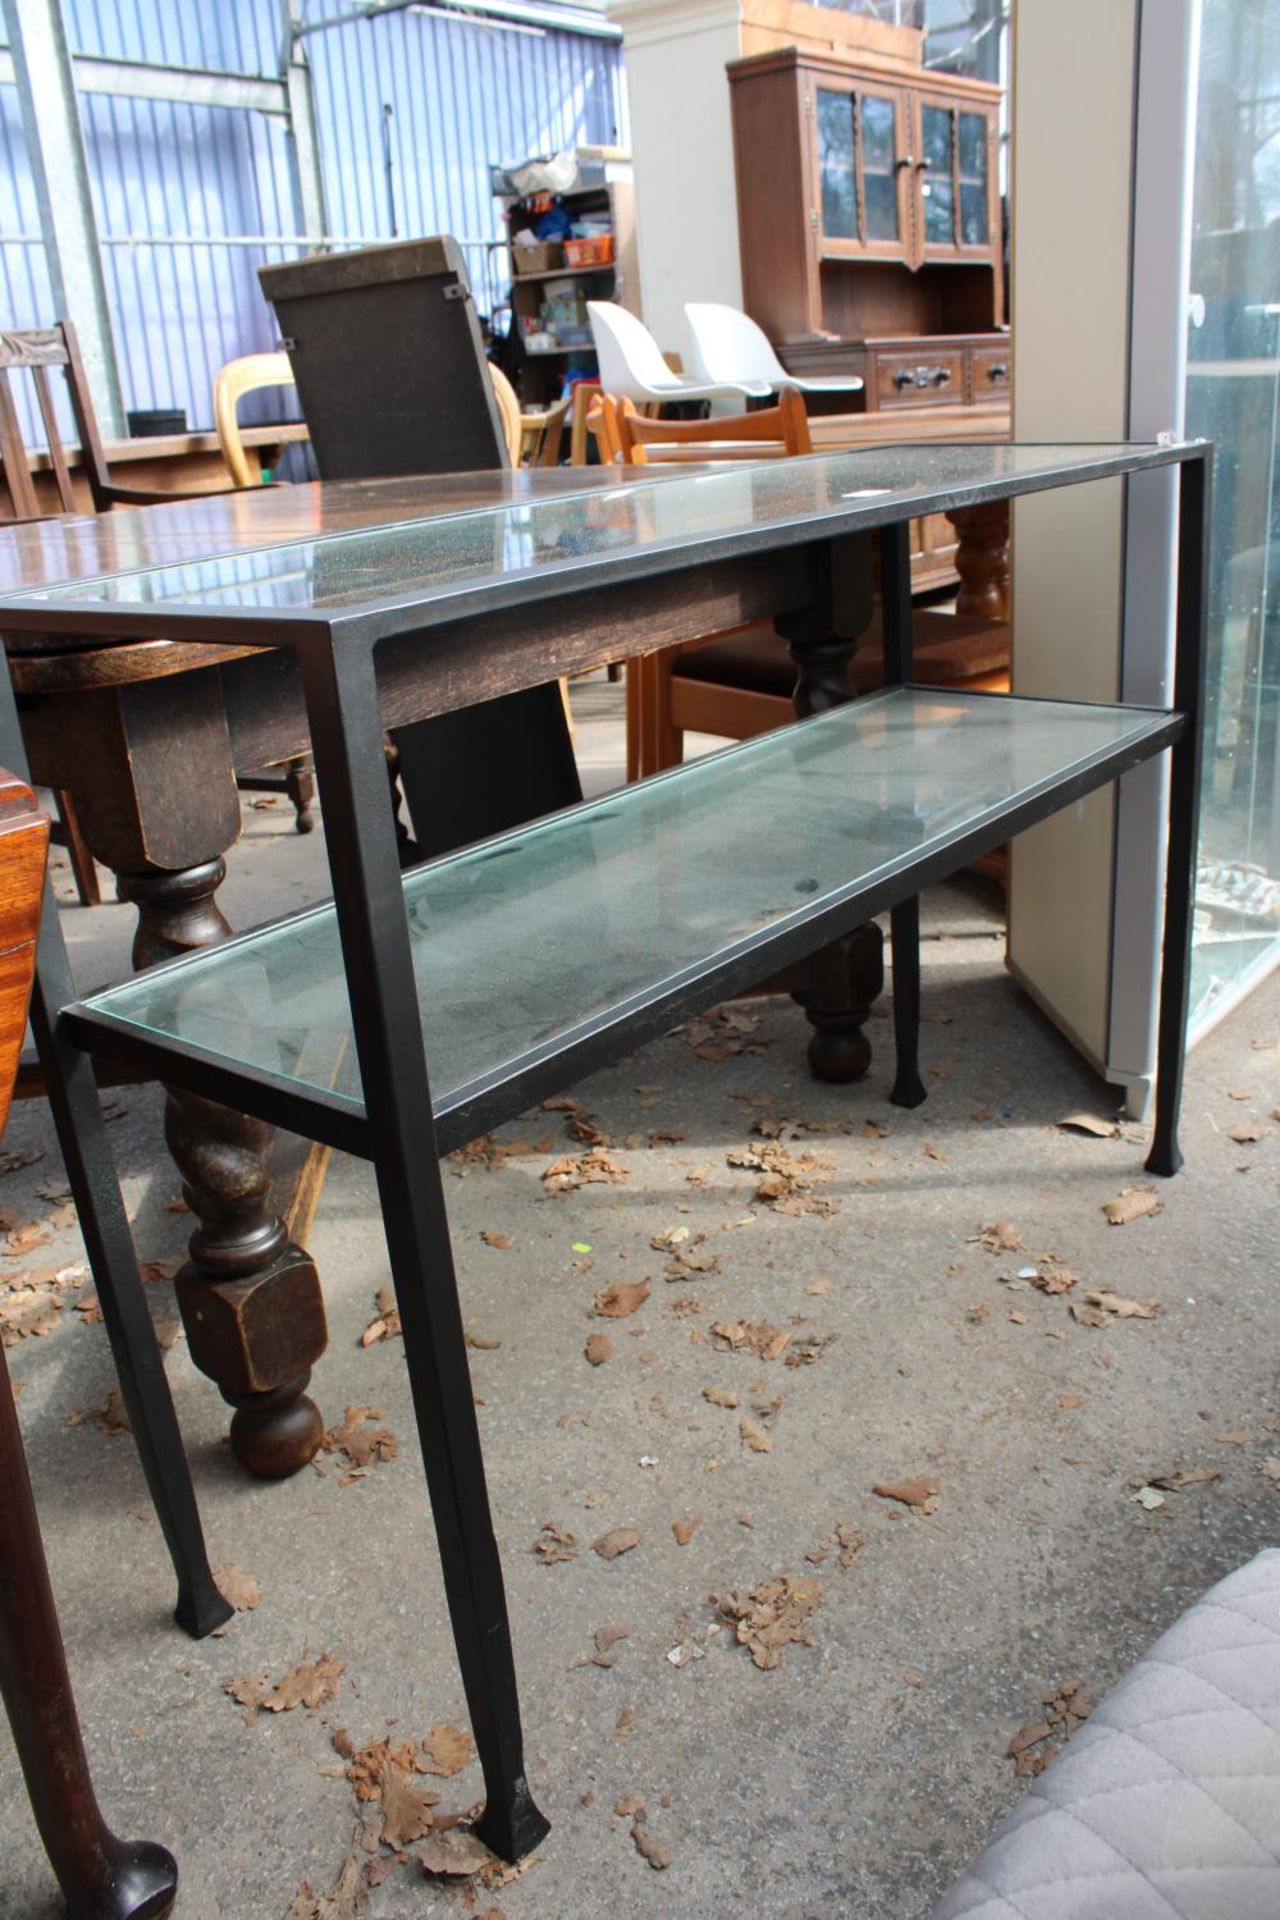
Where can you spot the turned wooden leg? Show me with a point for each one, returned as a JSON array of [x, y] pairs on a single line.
[[300, 785], [982, 559], [848, 976], [250, 1299], [102, 1877]]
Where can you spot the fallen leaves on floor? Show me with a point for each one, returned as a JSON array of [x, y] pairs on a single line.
[[238, 1587], [760, 1337], [1001, 1236], [20, 1157], [346, 1899], [598, 1349], [846, 1539], [685, 1529], [650, 1848], [554, 1544], [681, 1245], [720, 1396], [1102, 1308], [1089, 1123], [921, 1496], [385, 1324], [591, 1168], [805, 1349], [1034, 1746], [1134, 1203], [500, 1240], [310, 1684], [772, 1616], [605, 1639], [621, 1299], [448, 1749], [485, 1151], [786, 1178], [362, 1440], [1270, 1470], [1185, 1477], [457, 1854], [109, 1414], [31, 1301], [385, 1774], [617, 1541], [725, 1031]]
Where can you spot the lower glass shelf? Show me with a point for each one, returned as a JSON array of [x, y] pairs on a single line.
[[544, 943]]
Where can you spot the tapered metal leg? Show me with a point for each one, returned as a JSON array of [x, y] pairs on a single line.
[[904, 933], [347, 741], [1184, 813], [86, 1151], [101, 1876]]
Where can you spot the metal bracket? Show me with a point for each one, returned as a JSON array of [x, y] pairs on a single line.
[[456, 291]]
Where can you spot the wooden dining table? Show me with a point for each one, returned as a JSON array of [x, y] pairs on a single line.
[[147, 738]]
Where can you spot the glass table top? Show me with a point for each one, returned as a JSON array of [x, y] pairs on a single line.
[[527, 945], [432, 568]]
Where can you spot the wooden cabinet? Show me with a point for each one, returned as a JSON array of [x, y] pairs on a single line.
[[868, 198]]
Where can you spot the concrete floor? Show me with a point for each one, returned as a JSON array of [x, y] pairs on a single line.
[[857, 1778]]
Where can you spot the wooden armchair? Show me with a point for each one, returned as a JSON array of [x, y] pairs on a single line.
[[735, 685], [101, 1876]]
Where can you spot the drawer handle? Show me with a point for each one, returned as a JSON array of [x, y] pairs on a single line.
[[999, 371], [921, 377]]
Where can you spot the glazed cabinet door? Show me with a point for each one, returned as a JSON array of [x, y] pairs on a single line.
[[955, 203], [859, 138]]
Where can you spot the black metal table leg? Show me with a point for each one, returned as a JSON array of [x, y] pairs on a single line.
[[1194, 520], [82, 1135], [904, 919], [346, 734]]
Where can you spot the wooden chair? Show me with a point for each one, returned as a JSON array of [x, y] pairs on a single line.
[[101, 1876], [249, 374], [738, 684], [542, 433], [509, 408]]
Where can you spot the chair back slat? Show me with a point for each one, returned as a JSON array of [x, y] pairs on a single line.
[[782, 429], [23, 504], [53, 434]]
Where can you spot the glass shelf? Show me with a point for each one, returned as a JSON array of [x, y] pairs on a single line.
[[535, 946], [411, 574]]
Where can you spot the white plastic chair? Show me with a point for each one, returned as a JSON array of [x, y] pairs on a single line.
[[631, 362], [727, 345]]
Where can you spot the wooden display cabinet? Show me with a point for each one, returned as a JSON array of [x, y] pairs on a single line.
[[869, 215]]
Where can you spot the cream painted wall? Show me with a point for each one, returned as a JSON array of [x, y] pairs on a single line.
[[686, 200], [1072, 122]]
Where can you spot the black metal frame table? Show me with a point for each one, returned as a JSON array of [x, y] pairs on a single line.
[[552, 949]]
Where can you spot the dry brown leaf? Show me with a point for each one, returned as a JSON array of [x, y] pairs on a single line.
[[618, 1540], [1001, 1236], [1246, 1132], [311, 1684], [684, 1530], [754, 1438], [772, 1616], [654, 1851], [630, 1804], [1088, 1123], [621, 1299], [921, 1496], [1270, 1470], [480, 1342], [1101, 1308], [456, 1854], [238, 1586], [345, 1899], [1034, 1746], [386, 1323], [363, 1442], [720, 1396], [598, 1348], [501, 1240], [1185, 1477], [109, 1414], [26, 1311], [448, 1749], [786, 1178], [593, 1167], [1234, 1439], [760, 1337], [554, 1544], [1135, 1203]]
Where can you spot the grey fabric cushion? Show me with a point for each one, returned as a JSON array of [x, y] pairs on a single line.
[[1167, 1802]]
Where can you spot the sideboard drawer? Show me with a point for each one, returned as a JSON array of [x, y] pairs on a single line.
[[924, 379], [992, 373]]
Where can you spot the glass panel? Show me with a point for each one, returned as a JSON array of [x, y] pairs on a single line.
[[973, 215], [419, 563], [879, 167], [835, 165], [973, 147], [937, 187], [1233, 396], [518, 944], [939, 209]]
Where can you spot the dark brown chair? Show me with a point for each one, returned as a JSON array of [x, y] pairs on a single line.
[[101, 1876]]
